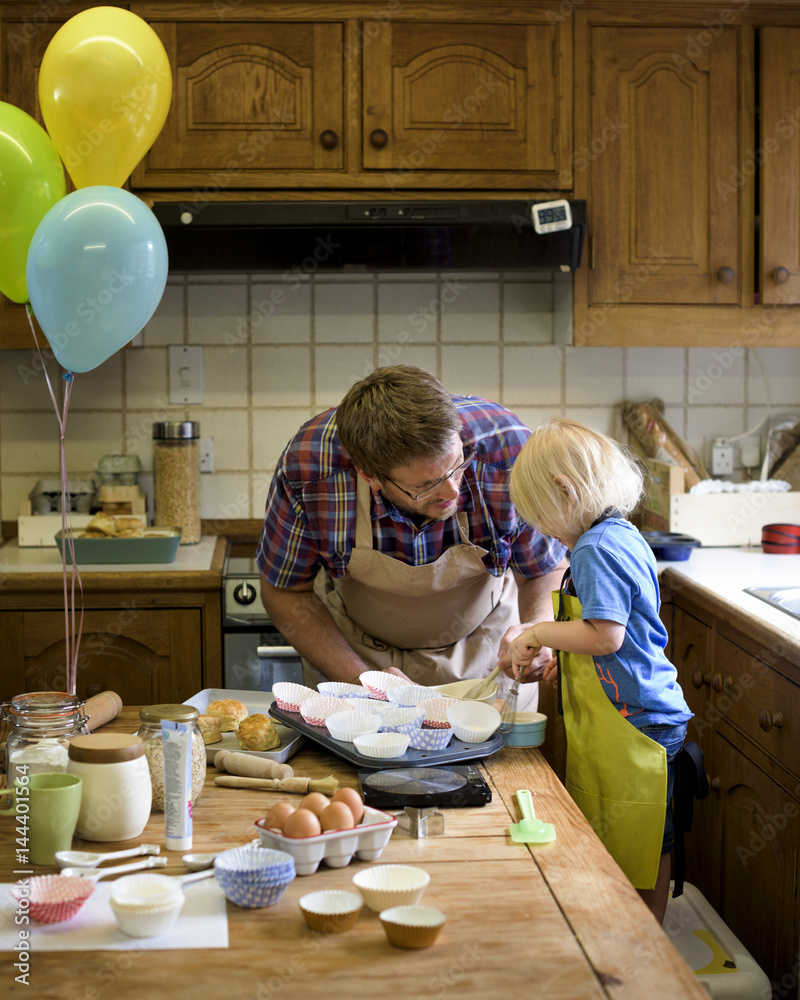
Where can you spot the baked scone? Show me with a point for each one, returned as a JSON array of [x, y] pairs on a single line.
[[126, 523], [257, 732], [209, 728], [230, 713], [102, 522]]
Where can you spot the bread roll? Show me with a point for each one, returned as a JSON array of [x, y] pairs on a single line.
[[257, 732], [209, 728], [230, 713]]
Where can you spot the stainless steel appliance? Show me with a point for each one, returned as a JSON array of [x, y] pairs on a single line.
[[254, 653]]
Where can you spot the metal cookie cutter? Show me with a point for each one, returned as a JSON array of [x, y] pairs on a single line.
[[428, 822]]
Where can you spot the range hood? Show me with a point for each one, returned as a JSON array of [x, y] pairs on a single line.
[[307, 237]]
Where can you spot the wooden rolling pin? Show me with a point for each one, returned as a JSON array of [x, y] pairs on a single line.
[[250, 767], [98, 710], [298, 786]]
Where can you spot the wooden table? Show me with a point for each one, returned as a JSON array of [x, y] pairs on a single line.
[[555, 922]]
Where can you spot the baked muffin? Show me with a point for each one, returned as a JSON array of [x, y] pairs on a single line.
[[209, 728], [257, 732], [230, 713]]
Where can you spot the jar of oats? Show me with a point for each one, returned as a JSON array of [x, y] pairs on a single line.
[[176, 477], [150, 732]]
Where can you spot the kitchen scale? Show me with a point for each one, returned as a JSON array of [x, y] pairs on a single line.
[[456, 785]]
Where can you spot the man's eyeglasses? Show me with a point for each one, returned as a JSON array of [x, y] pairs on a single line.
[[469, 454]]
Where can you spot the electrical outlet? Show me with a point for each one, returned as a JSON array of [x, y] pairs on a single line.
[[722, 460], [749, 452], [206, 454]]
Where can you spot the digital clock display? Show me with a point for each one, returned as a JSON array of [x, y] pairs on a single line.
[[551, 216], [548, 215]]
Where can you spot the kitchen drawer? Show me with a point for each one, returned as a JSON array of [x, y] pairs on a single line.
[[691, 654], [760, 702]]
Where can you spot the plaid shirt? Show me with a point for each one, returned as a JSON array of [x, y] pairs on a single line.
[[310, 518]]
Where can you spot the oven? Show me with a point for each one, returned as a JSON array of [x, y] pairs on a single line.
[[254, 653]]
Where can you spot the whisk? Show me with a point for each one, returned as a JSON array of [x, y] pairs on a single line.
[[508, 710]]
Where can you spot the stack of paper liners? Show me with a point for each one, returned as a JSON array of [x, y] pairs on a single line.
[[648, 426]]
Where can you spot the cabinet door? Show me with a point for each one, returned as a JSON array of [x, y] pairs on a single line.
[[664, 133], [760, 834], [250, 99], [779, 160], [466, 97], [146, 655]]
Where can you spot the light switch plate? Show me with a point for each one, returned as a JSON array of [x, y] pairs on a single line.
[[185, 375]]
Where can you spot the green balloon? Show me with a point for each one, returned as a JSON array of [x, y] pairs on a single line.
[[31, 181]]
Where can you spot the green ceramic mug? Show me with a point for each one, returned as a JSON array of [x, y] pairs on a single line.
[[46, 805]]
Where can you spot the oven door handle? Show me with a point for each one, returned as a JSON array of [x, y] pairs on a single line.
[[265, 652]]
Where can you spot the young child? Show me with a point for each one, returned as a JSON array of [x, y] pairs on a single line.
[[624, 712]]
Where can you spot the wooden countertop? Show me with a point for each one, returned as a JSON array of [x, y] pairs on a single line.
[[559, 921]]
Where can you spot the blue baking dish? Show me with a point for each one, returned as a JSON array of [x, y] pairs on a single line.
[[670, 546]]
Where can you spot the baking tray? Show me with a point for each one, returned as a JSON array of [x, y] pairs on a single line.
[[158, 546], [253, 701], [457, 750]]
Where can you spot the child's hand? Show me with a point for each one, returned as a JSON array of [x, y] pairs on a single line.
[[523, 649], [550, 672]]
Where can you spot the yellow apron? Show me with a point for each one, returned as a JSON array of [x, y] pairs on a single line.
[[438, 622], [616, 775]]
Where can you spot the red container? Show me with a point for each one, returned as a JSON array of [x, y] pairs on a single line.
[[781, 539]]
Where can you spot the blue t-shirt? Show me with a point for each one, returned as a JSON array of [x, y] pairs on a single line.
[[614, 574]]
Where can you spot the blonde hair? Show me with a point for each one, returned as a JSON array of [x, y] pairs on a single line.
[[567, 474]]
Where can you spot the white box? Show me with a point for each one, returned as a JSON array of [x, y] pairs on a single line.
[[40, 530]]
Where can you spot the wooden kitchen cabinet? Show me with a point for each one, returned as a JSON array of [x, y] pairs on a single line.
[[742, 681], [151, 637]]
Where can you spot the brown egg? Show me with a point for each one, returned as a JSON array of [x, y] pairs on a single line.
[[278, 815], [336, 817], [352, 800], [315, 801], [302, 823]]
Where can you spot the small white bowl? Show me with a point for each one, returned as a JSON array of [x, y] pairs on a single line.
[[458, 689], [345, 726], [382, 745], [289, 697], [331, 911], [146, 905], [409, 695], [412, 926], [472, 721], [385, 886], [317, 709], [378, 682]]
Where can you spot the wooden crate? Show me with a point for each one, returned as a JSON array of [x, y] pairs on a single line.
[[716, 519]]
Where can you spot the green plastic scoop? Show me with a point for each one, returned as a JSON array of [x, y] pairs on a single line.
[[530, 830]]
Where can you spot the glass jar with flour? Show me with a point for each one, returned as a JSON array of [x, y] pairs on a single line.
[[42, 725]]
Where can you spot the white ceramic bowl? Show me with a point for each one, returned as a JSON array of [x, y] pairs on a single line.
[[383, 745], [146, 905], [412, 926], [378, 682], [317, 709], [331, 911], [385, 886], [346, 726], [458, 689], [472, 721], [409, 695]]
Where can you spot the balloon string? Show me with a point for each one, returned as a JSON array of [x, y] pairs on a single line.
[[72, 636]]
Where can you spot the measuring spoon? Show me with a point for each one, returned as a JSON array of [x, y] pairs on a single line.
[[197, 862], [85, 859], [97, 873]]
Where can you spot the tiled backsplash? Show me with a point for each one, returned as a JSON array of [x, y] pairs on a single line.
[[277, 351]]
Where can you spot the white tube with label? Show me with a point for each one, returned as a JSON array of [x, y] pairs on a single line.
[[176, 738]]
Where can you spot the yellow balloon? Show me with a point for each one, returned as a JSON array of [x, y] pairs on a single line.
[[105, 87]]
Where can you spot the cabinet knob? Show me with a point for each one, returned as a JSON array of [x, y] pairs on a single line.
[[725, 275], [720, 683], [715, 784], [378, 138], [767, 720], [699, 679], [780, 275], [328, 139]]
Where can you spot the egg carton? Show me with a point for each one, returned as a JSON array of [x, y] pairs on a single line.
[[335, 849]]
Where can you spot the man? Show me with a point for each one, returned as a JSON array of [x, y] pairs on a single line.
[[390, 542]]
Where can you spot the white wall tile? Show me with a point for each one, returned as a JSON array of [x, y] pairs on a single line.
[[594, 376], [470, 310], [780, 379], [225, 378], [280, 313], [217, 314], [527, 312], [90, 436], [29, 442], [532, 376], [271, 433], [344, 313], [23, 385], [168, 323], [147, 379], [715, 375], [281, 376], [655, 373], [473, 370], [406, 312], [230, 431], [225, 497], [336, 369]]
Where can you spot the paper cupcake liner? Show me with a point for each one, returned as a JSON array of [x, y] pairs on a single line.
[[377, 682], [316, 710], [473, 722], [346, 726], [473, 735], [402, 720], [289, 696], [436, 712], [431, 739], [340, 689], [383, 745], [53, 898], [409, 695]]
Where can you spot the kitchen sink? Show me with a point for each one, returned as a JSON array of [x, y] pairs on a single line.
[[784, 598]]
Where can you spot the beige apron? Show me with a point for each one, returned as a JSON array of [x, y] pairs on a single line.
[[438, 622]]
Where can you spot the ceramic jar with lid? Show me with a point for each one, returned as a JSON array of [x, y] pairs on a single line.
[[176, 477], [42, 725], [150, 731], [116, 798]]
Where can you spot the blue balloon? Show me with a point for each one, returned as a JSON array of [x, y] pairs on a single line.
[[96, 270]]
